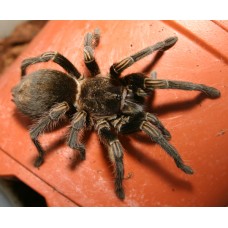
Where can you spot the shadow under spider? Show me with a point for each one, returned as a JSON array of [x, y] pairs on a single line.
[[156, 166], [50, 148], [178, 105], [144, 139], [169, 107], [59, 142], [75, 158], [150, 66]]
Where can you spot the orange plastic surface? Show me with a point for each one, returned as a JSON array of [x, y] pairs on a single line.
[[199, 125]]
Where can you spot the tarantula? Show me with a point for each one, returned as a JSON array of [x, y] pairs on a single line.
[[110, 104]]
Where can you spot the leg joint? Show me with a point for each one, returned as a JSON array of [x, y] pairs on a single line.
[[152, 131], [101, 124], [79, 120], [58, 110], [155, 84], [117, 149]]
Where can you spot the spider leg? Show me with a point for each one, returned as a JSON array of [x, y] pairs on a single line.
[[117, 68], [55, 57], [156, 122], [132, 123], [170, 84], [90, 43], [54, 115], [78, 122], [110, 140], [138, 122], [157, 137]]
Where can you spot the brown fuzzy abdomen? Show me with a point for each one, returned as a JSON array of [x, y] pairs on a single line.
[[40, 90]]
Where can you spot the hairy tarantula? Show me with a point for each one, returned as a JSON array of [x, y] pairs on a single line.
[[108, 103]]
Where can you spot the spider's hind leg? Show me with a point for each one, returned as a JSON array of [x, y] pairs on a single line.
[[91, 41], [54, 115], [51, 56], [149, 124]]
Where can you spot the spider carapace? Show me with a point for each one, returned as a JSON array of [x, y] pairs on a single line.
[[110, 104]]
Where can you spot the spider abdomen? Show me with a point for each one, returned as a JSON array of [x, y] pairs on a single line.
[[100, 96], [39, 91]]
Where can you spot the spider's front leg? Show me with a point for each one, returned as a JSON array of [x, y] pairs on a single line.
[[139, 82], [117, 68], [151, 84], [110, 140], [142, 122]]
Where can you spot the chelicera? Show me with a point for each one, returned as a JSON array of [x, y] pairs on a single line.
[[110, 104]]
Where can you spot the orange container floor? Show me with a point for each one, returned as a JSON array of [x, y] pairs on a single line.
[[198, 125]]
